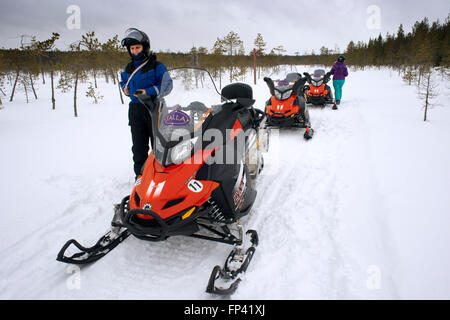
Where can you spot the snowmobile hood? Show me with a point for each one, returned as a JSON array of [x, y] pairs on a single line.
[[168, 191], [283, 107]]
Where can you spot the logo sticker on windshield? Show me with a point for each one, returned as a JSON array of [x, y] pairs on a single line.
[[177, 118]]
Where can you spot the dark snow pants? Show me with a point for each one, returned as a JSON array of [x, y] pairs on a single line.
[[141, 134]]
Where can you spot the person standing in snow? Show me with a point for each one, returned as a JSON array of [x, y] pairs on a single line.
[[142, 75], [339, 72]]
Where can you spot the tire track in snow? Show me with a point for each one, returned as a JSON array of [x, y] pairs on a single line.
[[306, 178], [31, 262]]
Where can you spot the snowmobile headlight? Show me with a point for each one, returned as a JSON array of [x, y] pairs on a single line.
[[182, 151], [286, 95], [283, 96], [277, 95]]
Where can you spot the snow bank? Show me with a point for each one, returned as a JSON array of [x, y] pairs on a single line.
[[360, 211]]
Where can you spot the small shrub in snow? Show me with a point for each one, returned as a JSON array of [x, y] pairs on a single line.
[[427, 90], [94, 94], [409, 76]]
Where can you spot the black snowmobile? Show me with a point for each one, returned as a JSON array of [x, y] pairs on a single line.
[[199, 181]]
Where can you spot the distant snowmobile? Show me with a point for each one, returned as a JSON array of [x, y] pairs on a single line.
[[318, 92], [188, 185], [287, 107]]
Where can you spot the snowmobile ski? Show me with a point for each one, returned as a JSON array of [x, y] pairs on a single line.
[[236, 263], [88, 255]]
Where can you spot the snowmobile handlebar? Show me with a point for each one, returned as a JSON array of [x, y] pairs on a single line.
[[270, 85], [297, 85], [146, 100], [326, 77], [307, 76], [260, 115]]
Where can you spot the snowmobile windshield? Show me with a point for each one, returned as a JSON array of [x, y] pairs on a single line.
[[319, 73], [283, 89], [317, 78], [292, 77], [188, 98]]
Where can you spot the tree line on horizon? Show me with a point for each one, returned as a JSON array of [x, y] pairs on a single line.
[[413, 53]]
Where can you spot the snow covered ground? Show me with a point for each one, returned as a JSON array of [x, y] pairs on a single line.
[[362, 211]]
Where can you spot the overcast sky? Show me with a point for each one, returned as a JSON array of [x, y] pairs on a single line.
[[177, 25]]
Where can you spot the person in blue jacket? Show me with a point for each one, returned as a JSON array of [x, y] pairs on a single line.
[[147, 80]]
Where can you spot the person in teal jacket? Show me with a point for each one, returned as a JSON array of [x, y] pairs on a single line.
[[339, 72]]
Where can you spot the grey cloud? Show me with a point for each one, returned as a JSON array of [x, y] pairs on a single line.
[[179, 24]]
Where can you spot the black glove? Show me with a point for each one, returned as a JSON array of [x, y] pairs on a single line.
[[138, 92]]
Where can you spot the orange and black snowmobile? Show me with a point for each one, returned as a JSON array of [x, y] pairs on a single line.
[[317, 92], [199, 180], [287, 107]]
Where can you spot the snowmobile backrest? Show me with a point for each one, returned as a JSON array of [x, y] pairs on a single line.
[[242, 92], [237, 90]]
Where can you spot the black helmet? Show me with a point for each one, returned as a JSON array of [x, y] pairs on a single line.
[[134, 36], [341, 58]]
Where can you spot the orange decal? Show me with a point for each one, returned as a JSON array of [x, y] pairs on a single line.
[[236, 129]]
